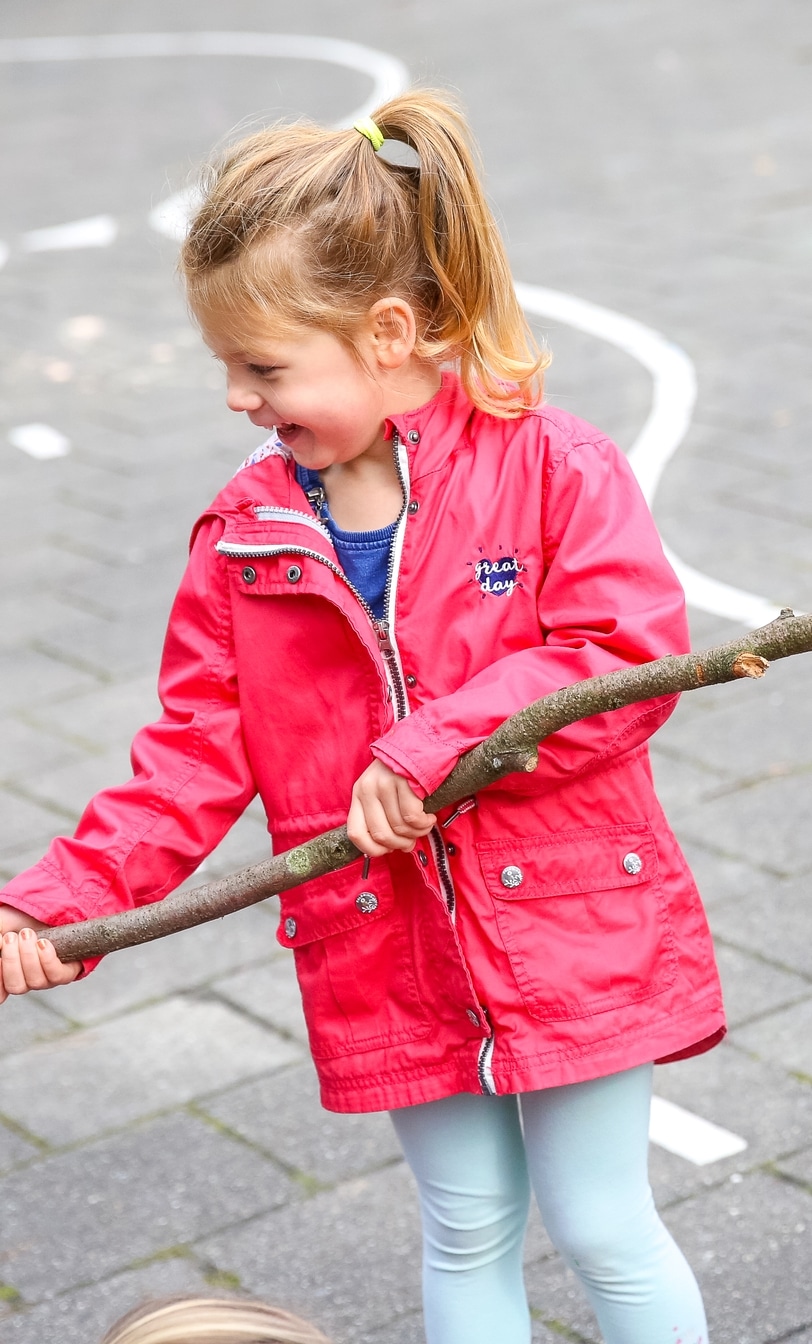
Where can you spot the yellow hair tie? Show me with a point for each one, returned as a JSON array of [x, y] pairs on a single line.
[[366, 126]]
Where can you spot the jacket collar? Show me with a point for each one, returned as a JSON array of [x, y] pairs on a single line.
[[438, 425]]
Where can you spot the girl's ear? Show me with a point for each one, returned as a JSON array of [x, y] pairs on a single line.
[[392, 329]]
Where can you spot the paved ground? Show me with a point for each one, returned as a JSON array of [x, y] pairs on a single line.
[[159, 1128]]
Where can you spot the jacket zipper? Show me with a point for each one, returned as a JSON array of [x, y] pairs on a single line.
[[483, 1067], [384, 628], [446, 880], [391, 656]]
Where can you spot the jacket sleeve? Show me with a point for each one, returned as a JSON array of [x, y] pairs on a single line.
[[191, 778], [609, 599]]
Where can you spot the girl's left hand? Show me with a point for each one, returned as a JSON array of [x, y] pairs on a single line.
[[385, 813]]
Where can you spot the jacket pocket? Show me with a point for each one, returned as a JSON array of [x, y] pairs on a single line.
[[583, 918], [354, 960]]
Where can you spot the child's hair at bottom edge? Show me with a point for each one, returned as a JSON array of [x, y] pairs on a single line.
[[211, 1320]]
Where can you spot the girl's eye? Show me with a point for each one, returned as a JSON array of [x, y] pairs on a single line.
[[262, 370]]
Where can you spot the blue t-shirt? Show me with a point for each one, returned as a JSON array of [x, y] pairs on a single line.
[[363, 556]]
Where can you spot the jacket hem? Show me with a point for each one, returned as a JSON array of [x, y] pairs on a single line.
[[532, 1073]]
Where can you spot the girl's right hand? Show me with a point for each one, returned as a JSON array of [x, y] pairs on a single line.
[[28, 961]]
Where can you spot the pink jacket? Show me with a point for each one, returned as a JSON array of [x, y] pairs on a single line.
[[549, 930]]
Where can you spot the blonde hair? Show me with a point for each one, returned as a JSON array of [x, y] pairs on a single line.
[[211, 1320], [306, 226]]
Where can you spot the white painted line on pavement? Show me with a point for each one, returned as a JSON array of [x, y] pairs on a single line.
[[40, 441], [673, 399], [3, 255], [389, 76], [689, 1136], [96, 231], [171, 217], [389, 73]]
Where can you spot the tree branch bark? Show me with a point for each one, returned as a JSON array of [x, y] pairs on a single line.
[[511, 748]]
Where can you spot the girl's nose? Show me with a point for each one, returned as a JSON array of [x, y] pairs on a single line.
[[240, 395]]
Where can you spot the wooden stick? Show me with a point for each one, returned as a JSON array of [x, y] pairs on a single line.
[[512, 747]]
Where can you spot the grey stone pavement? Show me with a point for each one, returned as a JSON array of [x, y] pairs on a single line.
[[159, 1125]]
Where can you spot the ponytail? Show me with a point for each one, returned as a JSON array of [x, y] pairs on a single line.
[[311, 226], [478, 317]]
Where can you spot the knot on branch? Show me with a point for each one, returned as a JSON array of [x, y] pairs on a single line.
[[750, 665]]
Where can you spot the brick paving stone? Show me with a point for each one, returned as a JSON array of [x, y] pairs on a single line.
[[162, 1056], [69, 787], [722, 877], [681, 784], [269, 992], [27, 677], [766, 824], [185, 961], [82, 1316], [785, 1037], [14, 1150], [107, 714], [799, 1167], [752, 988], [27, 822], [108, 649], [557, 1299], [349, 1258], [26, 750], [754, 1099], [121, 591], [198, 1182], [282, 1114], [27, 1018], [407, 1329], [749, 1245], [771, 917]]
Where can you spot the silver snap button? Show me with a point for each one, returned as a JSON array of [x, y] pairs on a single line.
[[633, 864], [511, 876], [413, 436], [411, 681], [472, 1017], [423, 856], [366, 901], [414, 505], [249, 574], [290, 927], [294, 574]]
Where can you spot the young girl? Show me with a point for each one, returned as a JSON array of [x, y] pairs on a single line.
[[419, 549], [211, 1320]]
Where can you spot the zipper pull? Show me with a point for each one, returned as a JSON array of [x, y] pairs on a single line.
[[465, 806], [318, 499], [384, 642]]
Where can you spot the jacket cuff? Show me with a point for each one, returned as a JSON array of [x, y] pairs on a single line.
[[52, 905], [414, 752]]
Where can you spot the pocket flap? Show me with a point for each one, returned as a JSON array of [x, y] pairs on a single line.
[[334, 904], [596, 858]]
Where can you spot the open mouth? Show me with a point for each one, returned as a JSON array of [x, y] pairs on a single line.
[[286, 431]]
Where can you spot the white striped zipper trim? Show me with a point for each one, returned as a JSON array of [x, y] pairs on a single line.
[[484, 1063], [272, 513], [397, 554]]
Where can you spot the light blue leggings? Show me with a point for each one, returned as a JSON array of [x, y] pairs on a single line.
[[584, 1147]]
